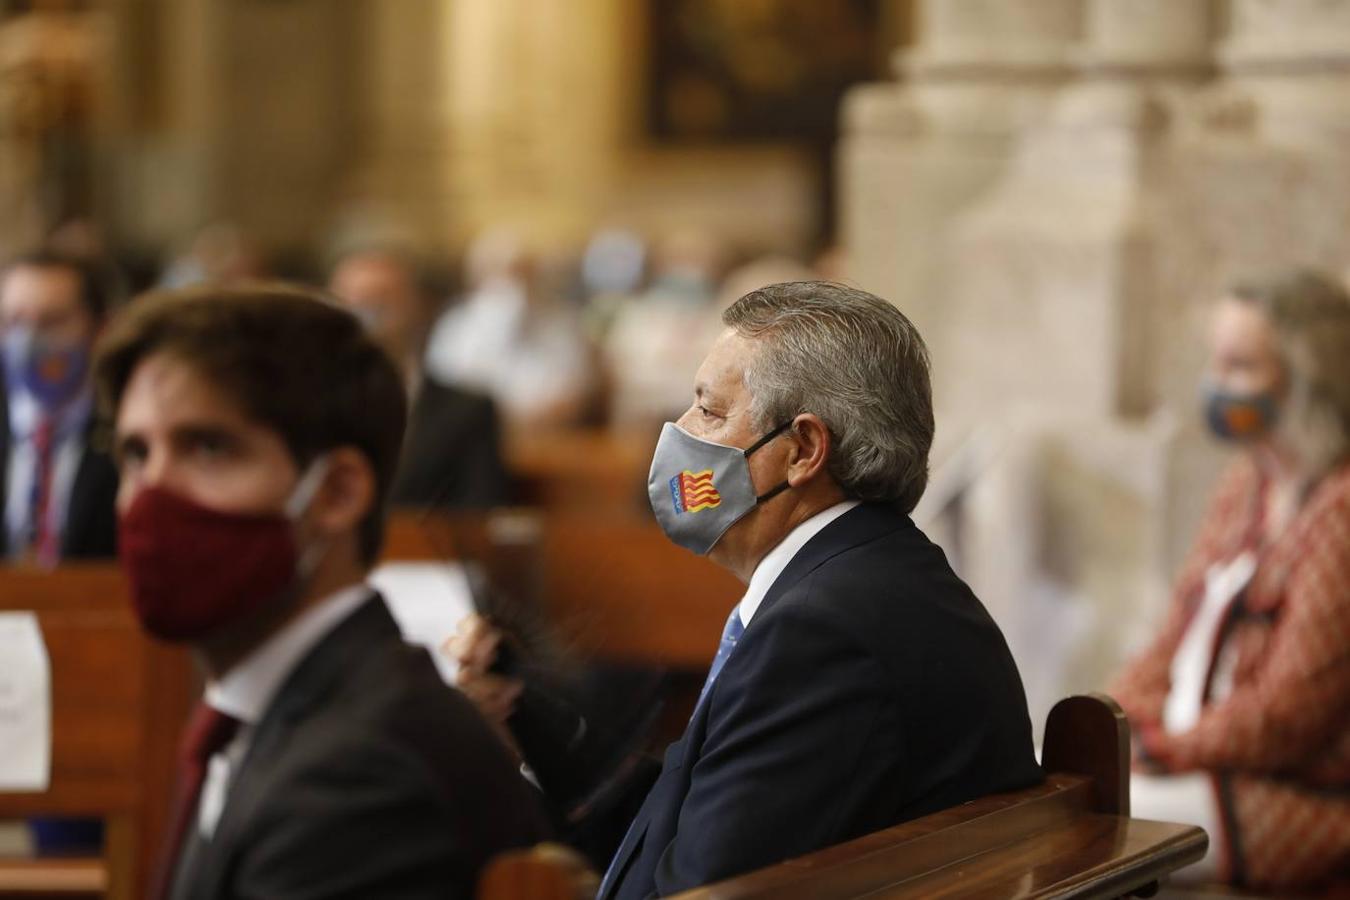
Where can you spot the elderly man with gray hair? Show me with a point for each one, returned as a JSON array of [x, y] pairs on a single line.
[[859, 683]]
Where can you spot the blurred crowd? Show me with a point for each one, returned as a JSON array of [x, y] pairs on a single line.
[[607, 334], [507, 343]]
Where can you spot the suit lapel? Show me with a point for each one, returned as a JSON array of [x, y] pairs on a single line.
[[857, 526], [92, 494], [632, 841], [432, 427], [860, 525], [4, 470], [315, 678]]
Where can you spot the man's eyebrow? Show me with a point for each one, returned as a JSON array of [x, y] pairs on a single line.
[[198, 430], [121, 440], [192, 430]]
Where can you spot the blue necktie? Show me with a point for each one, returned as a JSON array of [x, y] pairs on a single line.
[[730, 635]]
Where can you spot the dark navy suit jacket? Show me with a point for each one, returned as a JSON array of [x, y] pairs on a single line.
[[367, 777], [452, 452], [91, 520], [871, 687]]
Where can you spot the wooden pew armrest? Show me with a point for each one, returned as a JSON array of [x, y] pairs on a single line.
[[57, 877]]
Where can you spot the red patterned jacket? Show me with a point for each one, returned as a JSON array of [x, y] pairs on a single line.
[[1278, 746]]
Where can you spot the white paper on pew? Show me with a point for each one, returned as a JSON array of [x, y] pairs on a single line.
[[428, 601], [25, 705]]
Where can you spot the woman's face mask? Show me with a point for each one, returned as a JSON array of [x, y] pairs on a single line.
[[1242, 396], [1240, 417]]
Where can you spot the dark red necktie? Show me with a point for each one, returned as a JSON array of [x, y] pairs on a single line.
[[208, 732], [44, 538]]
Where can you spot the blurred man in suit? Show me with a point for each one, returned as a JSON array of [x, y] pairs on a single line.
[[59, 484], [256, 433], [859, 683], [451, 455]]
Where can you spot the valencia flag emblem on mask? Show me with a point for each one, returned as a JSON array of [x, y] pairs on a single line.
[[693, 491]]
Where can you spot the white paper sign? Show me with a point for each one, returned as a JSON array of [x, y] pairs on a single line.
[[25, 705], [428, 601]]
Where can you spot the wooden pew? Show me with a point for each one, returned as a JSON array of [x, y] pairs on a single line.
[[615, 586], [118, 704], [586, 470], [119, 700], [619, 589], [1071, 837]]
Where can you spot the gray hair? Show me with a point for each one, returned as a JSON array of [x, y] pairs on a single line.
[[855, 361], [1310, 314]]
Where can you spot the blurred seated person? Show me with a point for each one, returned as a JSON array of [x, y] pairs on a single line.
[[858, 683], [613, 267], [59, 483], [657, 337], [451, 454], [514, 338], [257, 431], [221, 253], [1240, 706]]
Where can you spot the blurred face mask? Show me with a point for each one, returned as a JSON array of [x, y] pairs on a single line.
[[51, 371], [698, 489], [194, 571], [1239, 417]]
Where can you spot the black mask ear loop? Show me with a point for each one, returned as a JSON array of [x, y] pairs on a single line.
[[774, 491]]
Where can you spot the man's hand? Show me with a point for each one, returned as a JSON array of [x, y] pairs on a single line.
[[474, 649]]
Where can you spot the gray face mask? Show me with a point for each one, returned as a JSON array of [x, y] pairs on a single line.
[[699, 489]]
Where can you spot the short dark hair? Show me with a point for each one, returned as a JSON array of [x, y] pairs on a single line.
[[291, 358], [857, 362], [95, 290]]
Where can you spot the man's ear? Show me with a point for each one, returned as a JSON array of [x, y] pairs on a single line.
[[811, 448], [347, 494]]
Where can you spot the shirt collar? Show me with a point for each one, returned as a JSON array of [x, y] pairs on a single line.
[[246, 690], [25, 413], [776, 560]]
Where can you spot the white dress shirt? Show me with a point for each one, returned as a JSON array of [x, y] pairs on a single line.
[[528, 358], [1194, 657], [776, 560], [25, 413], [248, 689]]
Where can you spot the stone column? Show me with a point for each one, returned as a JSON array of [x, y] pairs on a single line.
[[536, 98], [1041, 286], [399, 182], [229, 111], [1057, 262], [163, 122], [918, 151]]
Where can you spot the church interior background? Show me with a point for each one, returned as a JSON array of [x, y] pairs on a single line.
[[1054, 190]]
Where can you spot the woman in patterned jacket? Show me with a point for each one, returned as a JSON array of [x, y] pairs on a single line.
[[1241, 705]]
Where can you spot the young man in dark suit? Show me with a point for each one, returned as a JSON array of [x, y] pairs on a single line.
[[452, 452], [256, 433], [58, 482], [859, 683]]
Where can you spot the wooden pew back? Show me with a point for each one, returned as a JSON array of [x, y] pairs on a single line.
[[582, 470], [614, 585], [118, 702], [1065, 838]]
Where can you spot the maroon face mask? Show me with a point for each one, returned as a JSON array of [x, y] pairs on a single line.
[[195, 570]]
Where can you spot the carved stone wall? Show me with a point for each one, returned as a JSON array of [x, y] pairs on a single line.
[[1062, 271], [435, 118]]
